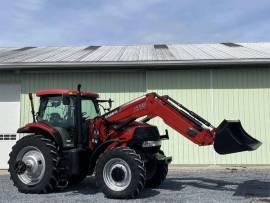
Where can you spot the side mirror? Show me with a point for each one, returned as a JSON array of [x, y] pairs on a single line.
[[110, 101], [66, 99]]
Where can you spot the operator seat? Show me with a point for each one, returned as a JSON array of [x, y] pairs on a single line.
[[55, 119]]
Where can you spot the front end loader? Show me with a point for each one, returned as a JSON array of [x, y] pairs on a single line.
[[69, 139]]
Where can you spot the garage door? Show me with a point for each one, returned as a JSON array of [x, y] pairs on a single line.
[[9, 119]]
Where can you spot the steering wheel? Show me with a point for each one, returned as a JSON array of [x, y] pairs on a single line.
[[83, 115]]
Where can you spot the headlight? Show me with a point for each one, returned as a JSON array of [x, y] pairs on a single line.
[[151, 143]]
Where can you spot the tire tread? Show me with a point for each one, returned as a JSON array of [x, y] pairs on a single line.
[[51, 182], [132, 191]]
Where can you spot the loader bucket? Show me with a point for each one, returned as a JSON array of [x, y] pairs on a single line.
[[231, 138]]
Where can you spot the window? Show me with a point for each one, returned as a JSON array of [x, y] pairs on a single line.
[[89, 110], [54, 111]]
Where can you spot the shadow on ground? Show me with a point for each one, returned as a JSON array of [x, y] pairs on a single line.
[[88, 187], [249, 188]]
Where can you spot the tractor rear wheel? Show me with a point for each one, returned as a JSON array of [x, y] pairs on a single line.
[[156, 171], [120, 173], [32, 164]]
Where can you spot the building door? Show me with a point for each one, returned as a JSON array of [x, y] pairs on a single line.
[[9, 120]]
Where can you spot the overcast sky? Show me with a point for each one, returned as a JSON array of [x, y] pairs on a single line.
[[100, 22]]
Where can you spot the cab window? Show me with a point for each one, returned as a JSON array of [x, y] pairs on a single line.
[[54, 111], [89, 109]]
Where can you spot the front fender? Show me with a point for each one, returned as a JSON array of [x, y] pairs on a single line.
[[43, 129], [102, 148]]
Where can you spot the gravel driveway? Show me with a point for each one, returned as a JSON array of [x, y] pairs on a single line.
[[182, 185]]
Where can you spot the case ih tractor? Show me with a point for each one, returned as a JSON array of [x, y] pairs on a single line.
[[69, 139]]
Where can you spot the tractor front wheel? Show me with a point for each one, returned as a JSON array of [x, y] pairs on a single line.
[[120, 173]]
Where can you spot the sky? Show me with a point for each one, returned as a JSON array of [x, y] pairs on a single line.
[[127, 22]]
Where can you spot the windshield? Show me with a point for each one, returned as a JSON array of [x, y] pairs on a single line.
[[54, 111]]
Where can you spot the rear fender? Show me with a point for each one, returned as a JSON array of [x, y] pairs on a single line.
[[43, 129]]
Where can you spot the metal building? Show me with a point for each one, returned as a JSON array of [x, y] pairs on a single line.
[[217, 81]]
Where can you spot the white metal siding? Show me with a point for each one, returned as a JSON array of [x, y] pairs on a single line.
[[9, 119]]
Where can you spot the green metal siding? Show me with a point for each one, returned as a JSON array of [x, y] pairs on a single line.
[[215, 94], [242, 94], [191, 88]]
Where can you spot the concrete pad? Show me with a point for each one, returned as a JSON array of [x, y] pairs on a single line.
[[3, 172], [190, 184]]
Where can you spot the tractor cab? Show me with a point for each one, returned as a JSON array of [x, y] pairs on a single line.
[[67, 111]]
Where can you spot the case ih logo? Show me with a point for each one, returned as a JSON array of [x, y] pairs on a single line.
[[140, 107]]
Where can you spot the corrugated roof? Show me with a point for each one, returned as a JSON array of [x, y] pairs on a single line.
[[134, 55]]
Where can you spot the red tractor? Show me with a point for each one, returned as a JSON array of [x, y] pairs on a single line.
[[70, 139]]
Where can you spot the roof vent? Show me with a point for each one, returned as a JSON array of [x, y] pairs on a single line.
[[163, 52], [160, 46], [229, 44], [92, 48], [25, 48]]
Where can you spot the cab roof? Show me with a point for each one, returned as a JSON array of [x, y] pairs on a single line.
[[65, 91]]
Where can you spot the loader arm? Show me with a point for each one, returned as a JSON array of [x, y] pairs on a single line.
[[184, 121]]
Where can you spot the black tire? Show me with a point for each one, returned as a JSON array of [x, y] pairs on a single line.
[[49, 150], [156, 172], [74, 180], [137, 175]]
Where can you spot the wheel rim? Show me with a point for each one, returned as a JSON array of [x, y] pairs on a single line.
[[35, 162], [117, 174]]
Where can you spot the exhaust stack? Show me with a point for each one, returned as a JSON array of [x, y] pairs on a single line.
[[32, 107]]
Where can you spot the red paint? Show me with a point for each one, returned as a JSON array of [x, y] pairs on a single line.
[[65, 91], [152, 106], [37, 126]]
